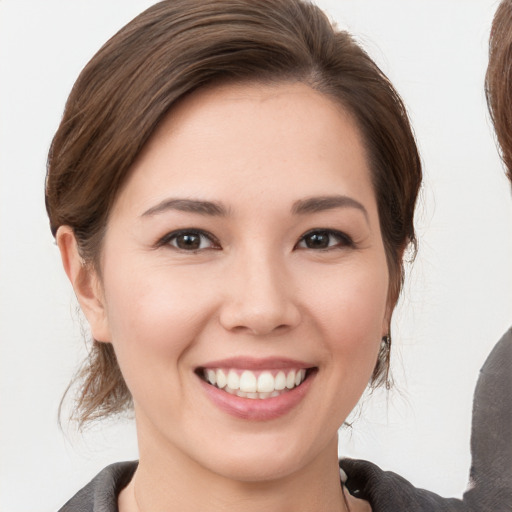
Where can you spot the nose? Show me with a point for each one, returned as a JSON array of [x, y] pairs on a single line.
[[260, 297]]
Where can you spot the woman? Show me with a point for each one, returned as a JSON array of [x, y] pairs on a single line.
[[232, 188]]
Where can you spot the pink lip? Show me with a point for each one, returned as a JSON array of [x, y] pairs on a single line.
[[249, 363], [257, 409]]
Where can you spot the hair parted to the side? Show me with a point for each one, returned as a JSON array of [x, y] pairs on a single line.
[[498, 81], [176, 47]]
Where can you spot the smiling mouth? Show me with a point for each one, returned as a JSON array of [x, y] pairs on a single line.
[[255, 385]]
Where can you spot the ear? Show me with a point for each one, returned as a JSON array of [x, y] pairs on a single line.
[[86, 284]]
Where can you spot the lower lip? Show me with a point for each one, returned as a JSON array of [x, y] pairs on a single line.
[[258, 409]]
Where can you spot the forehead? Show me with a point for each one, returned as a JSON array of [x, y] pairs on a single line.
[[283, 140]]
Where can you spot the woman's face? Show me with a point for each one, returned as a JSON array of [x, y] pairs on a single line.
[[244, 255]]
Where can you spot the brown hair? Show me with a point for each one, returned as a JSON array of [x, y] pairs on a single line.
[[498, 80], [167, 52]]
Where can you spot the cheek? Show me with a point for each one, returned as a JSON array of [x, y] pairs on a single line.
[[350, 308], [153, 317]]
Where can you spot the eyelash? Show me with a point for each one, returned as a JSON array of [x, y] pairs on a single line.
[[173, 236], [343, 240]]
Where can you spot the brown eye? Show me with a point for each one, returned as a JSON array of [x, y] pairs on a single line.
[[190, 241], [324, 239], [318, 240]]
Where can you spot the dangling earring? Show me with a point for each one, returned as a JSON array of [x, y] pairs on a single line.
[[385, 357], [380, 374]]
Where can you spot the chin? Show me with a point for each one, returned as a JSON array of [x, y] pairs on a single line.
[[254, 468], [262, 460]]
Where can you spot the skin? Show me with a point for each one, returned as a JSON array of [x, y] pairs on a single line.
[[254, 288]]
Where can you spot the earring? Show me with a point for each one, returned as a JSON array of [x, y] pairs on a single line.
[[385, 342], [385, 356]]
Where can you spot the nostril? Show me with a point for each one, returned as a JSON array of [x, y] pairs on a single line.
[[259, 321]]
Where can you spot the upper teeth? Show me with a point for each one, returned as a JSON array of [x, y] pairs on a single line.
[[247, 381]]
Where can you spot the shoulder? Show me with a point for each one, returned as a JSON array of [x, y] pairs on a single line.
[[388, 492], [100, 494], [491, 432]]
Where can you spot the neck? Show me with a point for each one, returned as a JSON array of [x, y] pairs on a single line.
[[168, 480]]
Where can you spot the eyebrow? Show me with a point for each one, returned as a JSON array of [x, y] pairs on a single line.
[[188, 205], [212, 208], [322, 203]]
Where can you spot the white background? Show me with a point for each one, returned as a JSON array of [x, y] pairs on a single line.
[[457, 299]]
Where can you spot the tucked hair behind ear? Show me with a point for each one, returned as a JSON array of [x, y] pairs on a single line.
[[171, 50]]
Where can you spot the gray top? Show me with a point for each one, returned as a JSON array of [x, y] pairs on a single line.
[[100, 494]]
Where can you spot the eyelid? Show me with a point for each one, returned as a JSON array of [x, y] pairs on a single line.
[[167, 238], [346, 240]]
